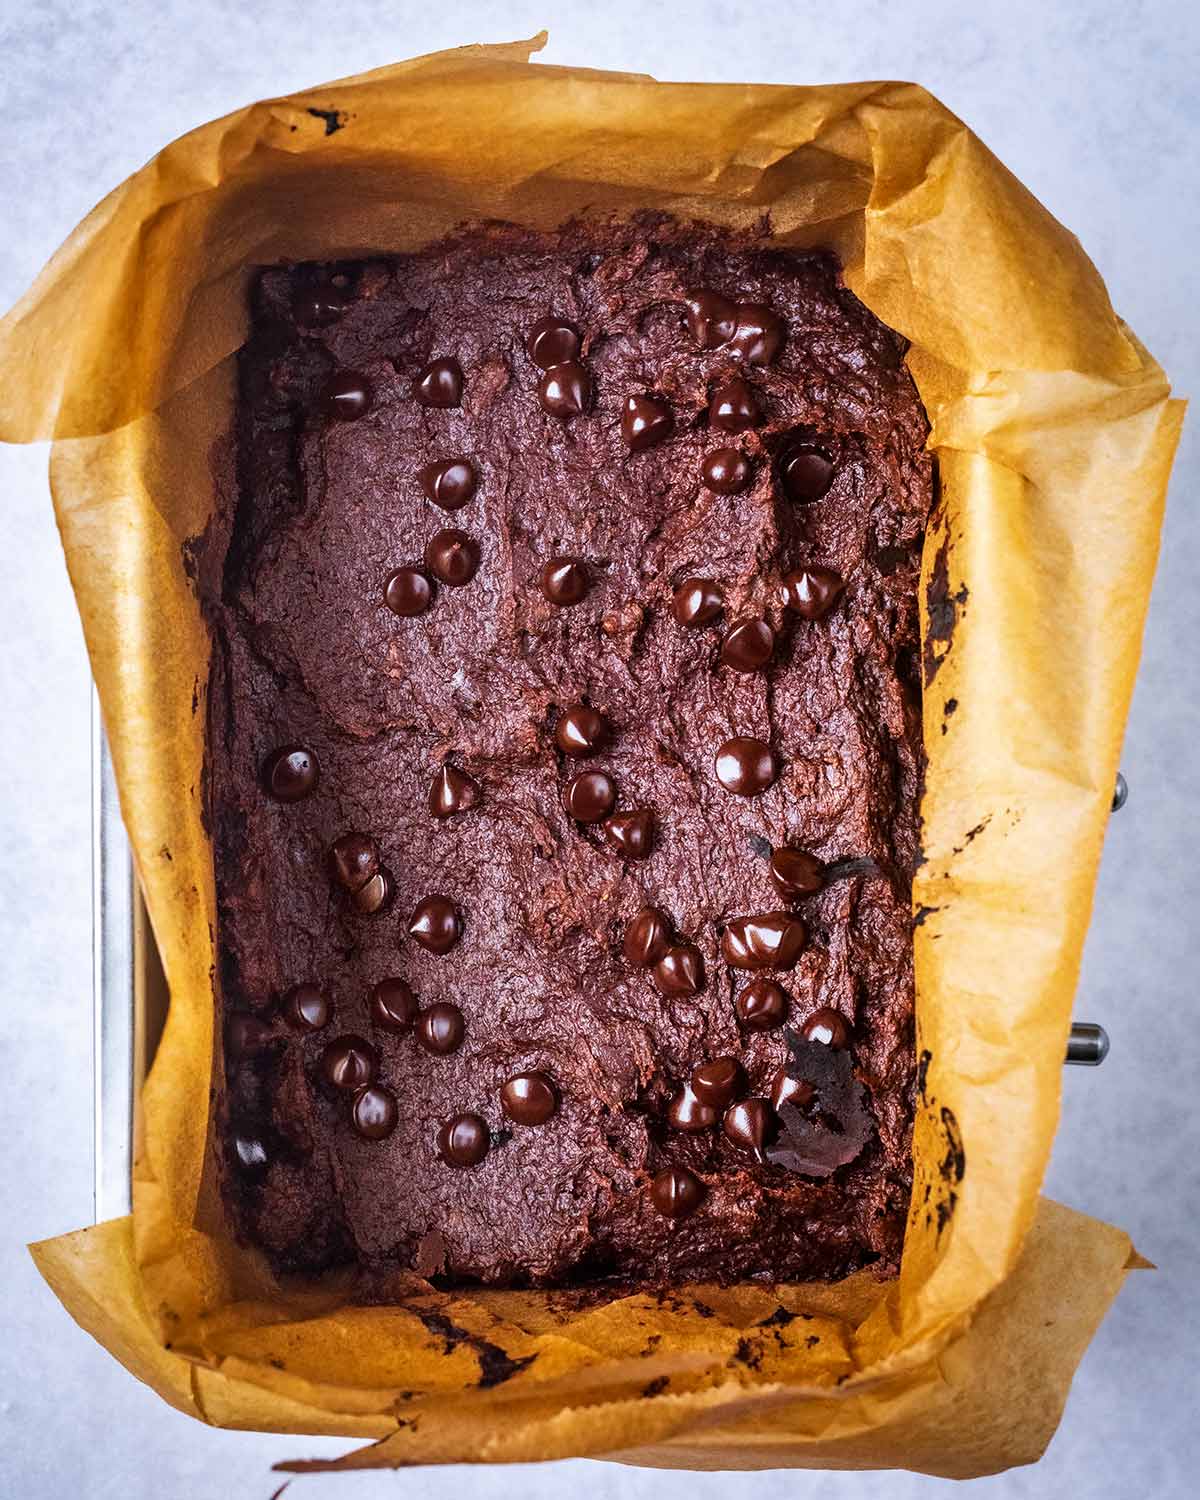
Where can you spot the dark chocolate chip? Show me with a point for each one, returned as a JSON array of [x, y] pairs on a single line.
[[529, 1098], [697, 601], [734, 407], [647, 938], [828, 1027], [291, 773], [450, 483], [676, 1192], [795, 873], [452, 557], [373, 1113], [645, 421], [440, 384], [771, 940], [787, 1089], [716, 1082], [725, 471], [811, 592], [749, 1124], [407, 592], [747, 645], [680, 971], [806, 472], [688, 1112], [590, 796], [580, 730], [463, 1141], [711, 318], [353, 859], [631, 833], [251, 1154], [347, 396], [552, 341], [762, 1005], [349, 1063], [565, 390], [393, 1005], [759, 334], [305, 1008], [245, 1034], [441, 1028], [745, 766], [452, 791], [376, 895], [436, 924], [564, 580], [319, 306]]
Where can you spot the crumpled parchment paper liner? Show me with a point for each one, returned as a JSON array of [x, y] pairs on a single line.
[[1054, 432]]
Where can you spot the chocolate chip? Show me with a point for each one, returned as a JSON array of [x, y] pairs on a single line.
[[373, 1113], [725, 471], [452, 557], [647, 938], [436, 924], [375, 895], [441, 1028], [645, 421], [565, 390], [452, 791], [552, 341], [393, 1005], [353, 859], [716, 1082], [759, 334], [676, 1192], [711, 318], [631, 833], [440, 384], [749, 1124], [407, 592], [305, 1008], [811, 592], [463, 1141], [680, 971], [564, 580], [347, 396], [450, 483], [748, 645], [590, 796], [806, 472], [733, 407], [580, 730], [827, 1027], [319, 306], [291, 773], [761, 1006], [349, 1063], [697, 601], [787, 1089], [745, 766], [795, 873], [773, 940], [250, 1152], [687, 1112], [245, 1034], [529, 1098]]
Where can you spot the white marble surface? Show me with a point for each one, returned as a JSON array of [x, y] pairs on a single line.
[[1094, 105]]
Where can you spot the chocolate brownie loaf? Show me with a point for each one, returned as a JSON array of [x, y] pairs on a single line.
[[563, 763]]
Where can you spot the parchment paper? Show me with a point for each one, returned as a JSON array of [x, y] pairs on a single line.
[[1054, 433]]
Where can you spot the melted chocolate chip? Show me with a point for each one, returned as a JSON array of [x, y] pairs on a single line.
[[346, 397], [440, 384], [291, 773], [676, 1192], [349, 1063], [393, 1005], [745, 766], [761, 1006], [245, 1034], [647, 938], [827, 1027], [580, 730], [773, 940], [436, 924], [463, 1141], [795, 873], [697, 601], [452, 791], [806, 472], [553, 341], [787, 1089], [725, 471], [564, 580], [716, 1082], [305, 1008], [590, 796], [353, 859], [319, 306], [450, 483], [373, 1113], [565, 390], [452, 557], [631, 833], [441, 1028], [407, 592], [748, 645], [529, 1098], [680, 971], [687, 1112], [711, 318], [749, 1124], [733, 407], [375, 895], [759, 334], [645, 421], [811, 592]]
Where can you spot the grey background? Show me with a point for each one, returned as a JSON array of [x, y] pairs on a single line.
[[1094, 106]]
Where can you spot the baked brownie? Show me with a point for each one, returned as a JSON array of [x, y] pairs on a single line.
[[564, 760]]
